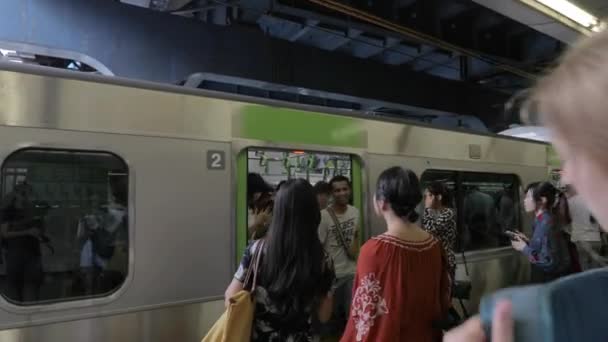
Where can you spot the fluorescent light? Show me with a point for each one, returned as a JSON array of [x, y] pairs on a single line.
[[599, 27], [5, 52], [573, 12]]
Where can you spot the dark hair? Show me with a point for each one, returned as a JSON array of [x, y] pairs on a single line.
[[264, 202], [120, 191], [592, 219], [401, 189], [563, 209], [255, 184], [543, 189], [281, 183], [322, 188], [337, 179], [531, 186], [293, 261], [438, 188]]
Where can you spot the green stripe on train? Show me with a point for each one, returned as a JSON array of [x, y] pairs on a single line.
[[294, 126]]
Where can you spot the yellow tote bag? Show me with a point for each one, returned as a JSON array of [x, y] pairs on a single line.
[[236, 322]]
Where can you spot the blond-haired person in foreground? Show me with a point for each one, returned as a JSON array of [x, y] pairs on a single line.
[[572, 101]]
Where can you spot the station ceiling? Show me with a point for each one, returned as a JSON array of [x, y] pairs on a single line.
[[419, 59], [459, 40]]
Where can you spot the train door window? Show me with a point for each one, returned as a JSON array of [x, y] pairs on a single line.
[[486, 204], [276, 166], [63, 224]]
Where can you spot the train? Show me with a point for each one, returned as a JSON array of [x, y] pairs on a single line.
[[166, 166]]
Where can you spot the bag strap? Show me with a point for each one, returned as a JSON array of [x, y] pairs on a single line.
[[333, 216], [257, 264], [254, 264]]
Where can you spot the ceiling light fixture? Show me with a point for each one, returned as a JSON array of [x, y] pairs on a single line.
[[574, 13], [600, 27], [571, 11]]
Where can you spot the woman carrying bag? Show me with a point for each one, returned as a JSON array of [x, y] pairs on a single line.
[[236, 322], [293, 277]]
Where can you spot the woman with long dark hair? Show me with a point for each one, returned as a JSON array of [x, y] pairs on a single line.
[[295, 275], [259, 205], [401, 290]]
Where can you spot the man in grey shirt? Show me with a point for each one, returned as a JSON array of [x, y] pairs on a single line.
[[338, 232]]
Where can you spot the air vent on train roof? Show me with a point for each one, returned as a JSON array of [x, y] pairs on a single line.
[[475, 151]]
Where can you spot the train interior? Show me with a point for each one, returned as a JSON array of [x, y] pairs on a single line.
[[278, 165]]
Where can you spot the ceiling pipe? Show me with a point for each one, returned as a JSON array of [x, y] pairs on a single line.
[[419, 36]]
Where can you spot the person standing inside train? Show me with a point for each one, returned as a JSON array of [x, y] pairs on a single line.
[[90, 262], [547, 250], [259, 205], [479, 215], [103, 237], [295, 275], [440, 220], [571, 101], [338, 232], [401, 289], [506, 209], [584, 233], [323, 191]]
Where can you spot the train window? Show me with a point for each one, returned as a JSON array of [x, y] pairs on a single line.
[[275, 166], [486, 204], [63, 225]]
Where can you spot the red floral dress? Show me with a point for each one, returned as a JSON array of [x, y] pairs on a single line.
[[401, 291]]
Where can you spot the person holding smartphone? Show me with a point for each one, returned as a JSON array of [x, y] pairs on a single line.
[[547, 249]]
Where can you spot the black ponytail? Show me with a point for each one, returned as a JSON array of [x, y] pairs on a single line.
[[401, 189], [406, 212]]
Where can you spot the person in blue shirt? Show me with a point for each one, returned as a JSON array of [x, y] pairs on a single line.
[[546, 249]]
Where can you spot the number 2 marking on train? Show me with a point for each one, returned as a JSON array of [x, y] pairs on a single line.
[[216, 160]]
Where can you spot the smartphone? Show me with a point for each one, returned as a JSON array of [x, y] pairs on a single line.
[[511, 235]]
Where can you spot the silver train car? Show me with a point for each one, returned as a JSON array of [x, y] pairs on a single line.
[[166, 168]]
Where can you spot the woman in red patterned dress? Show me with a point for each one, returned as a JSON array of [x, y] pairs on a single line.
[[401, 288]]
